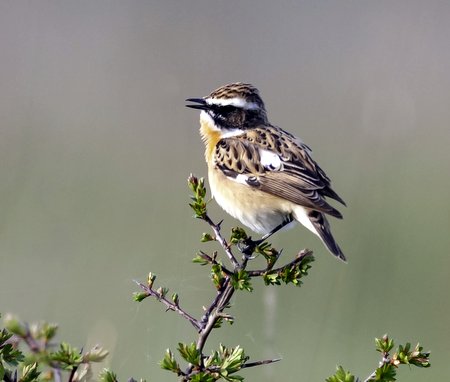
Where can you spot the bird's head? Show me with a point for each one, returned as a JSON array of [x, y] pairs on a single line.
[[232, 108]]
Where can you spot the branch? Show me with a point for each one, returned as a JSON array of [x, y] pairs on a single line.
[[212, 260], [149, 291], [215, 310], [298, 259], [258, 363], [222, 241]]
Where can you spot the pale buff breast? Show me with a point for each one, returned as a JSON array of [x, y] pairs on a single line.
[[259, 211]]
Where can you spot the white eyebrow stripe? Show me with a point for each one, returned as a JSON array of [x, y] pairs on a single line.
[[236, 101]]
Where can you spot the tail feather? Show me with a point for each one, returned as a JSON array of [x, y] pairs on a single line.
[[327, 191], [322, 228]]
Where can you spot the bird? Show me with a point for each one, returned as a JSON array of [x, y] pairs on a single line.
[[259, 173]]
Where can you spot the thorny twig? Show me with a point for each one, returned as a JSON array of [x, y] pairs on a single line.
[[223, 242], [169, 304], [298, 259]]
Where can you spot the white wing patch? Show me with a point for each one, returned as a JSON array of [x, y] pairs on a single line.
[[241, 178], [270, 160]]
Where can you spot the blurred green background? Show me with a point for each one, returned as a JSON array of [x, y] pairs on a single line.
[[96, 146]]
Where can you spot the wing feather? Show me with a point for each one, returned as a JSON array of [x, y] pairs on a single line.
[[278, 163]]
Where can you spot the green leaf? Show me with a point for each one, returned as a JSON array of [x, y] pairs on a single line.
[[190, 353], [197, 186], [169, 362], [218, 323], [213, 360], [233, 361], [420, 358], [415, 357], [67, 355], [15, 326], [386, 373], [238, 235], [290, 273], [2, 371], [207, 237], [241, 281], [175, 299], [107, 375], [217, 276], [233, 378], [48, 331], [30, 373], [11, 355], [270, 254], [403, 353], [162, 291], [4, 336], [151, 279], [139, 296], [96, 354], [202, 259], [271, 279], [341, 376], [384, 344], [203, 377]]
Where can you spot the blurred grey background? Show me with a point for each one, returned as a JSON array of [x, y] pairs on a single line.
[[96, 146]]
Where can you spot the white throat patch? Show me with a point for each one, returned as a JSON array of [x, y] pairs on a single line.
[[226, 133]]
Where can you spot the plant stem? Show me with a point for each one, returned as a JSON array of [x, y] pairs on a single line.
[[170, 305], [223, 242], [302, 254], [215, 309]]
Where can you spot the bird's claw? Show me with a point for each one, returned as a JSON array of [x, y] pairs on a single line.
[[248, 246]]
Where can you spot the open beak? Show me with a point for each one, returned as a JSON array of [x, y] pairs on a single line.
[[202, 105]]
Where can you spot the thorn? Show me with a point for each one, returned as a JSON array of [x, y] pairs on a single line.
[[258, 363]]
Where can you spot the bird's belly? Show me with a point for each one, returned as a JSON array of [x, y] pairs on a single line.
[[258, 210]]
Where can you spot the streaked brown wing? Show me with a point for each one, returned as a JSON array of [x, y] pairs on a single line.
[[276, 162]]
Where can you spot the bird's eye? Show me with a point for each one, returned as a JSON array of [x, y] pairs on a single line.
[[227, 109], [228, 116], [224, 111]]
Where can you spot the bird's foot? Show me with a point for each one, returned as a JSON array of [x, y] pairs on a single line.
[[248, 246]]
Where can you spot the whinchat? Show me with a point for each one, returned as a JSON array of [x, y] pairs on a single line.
[[258, 173]]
